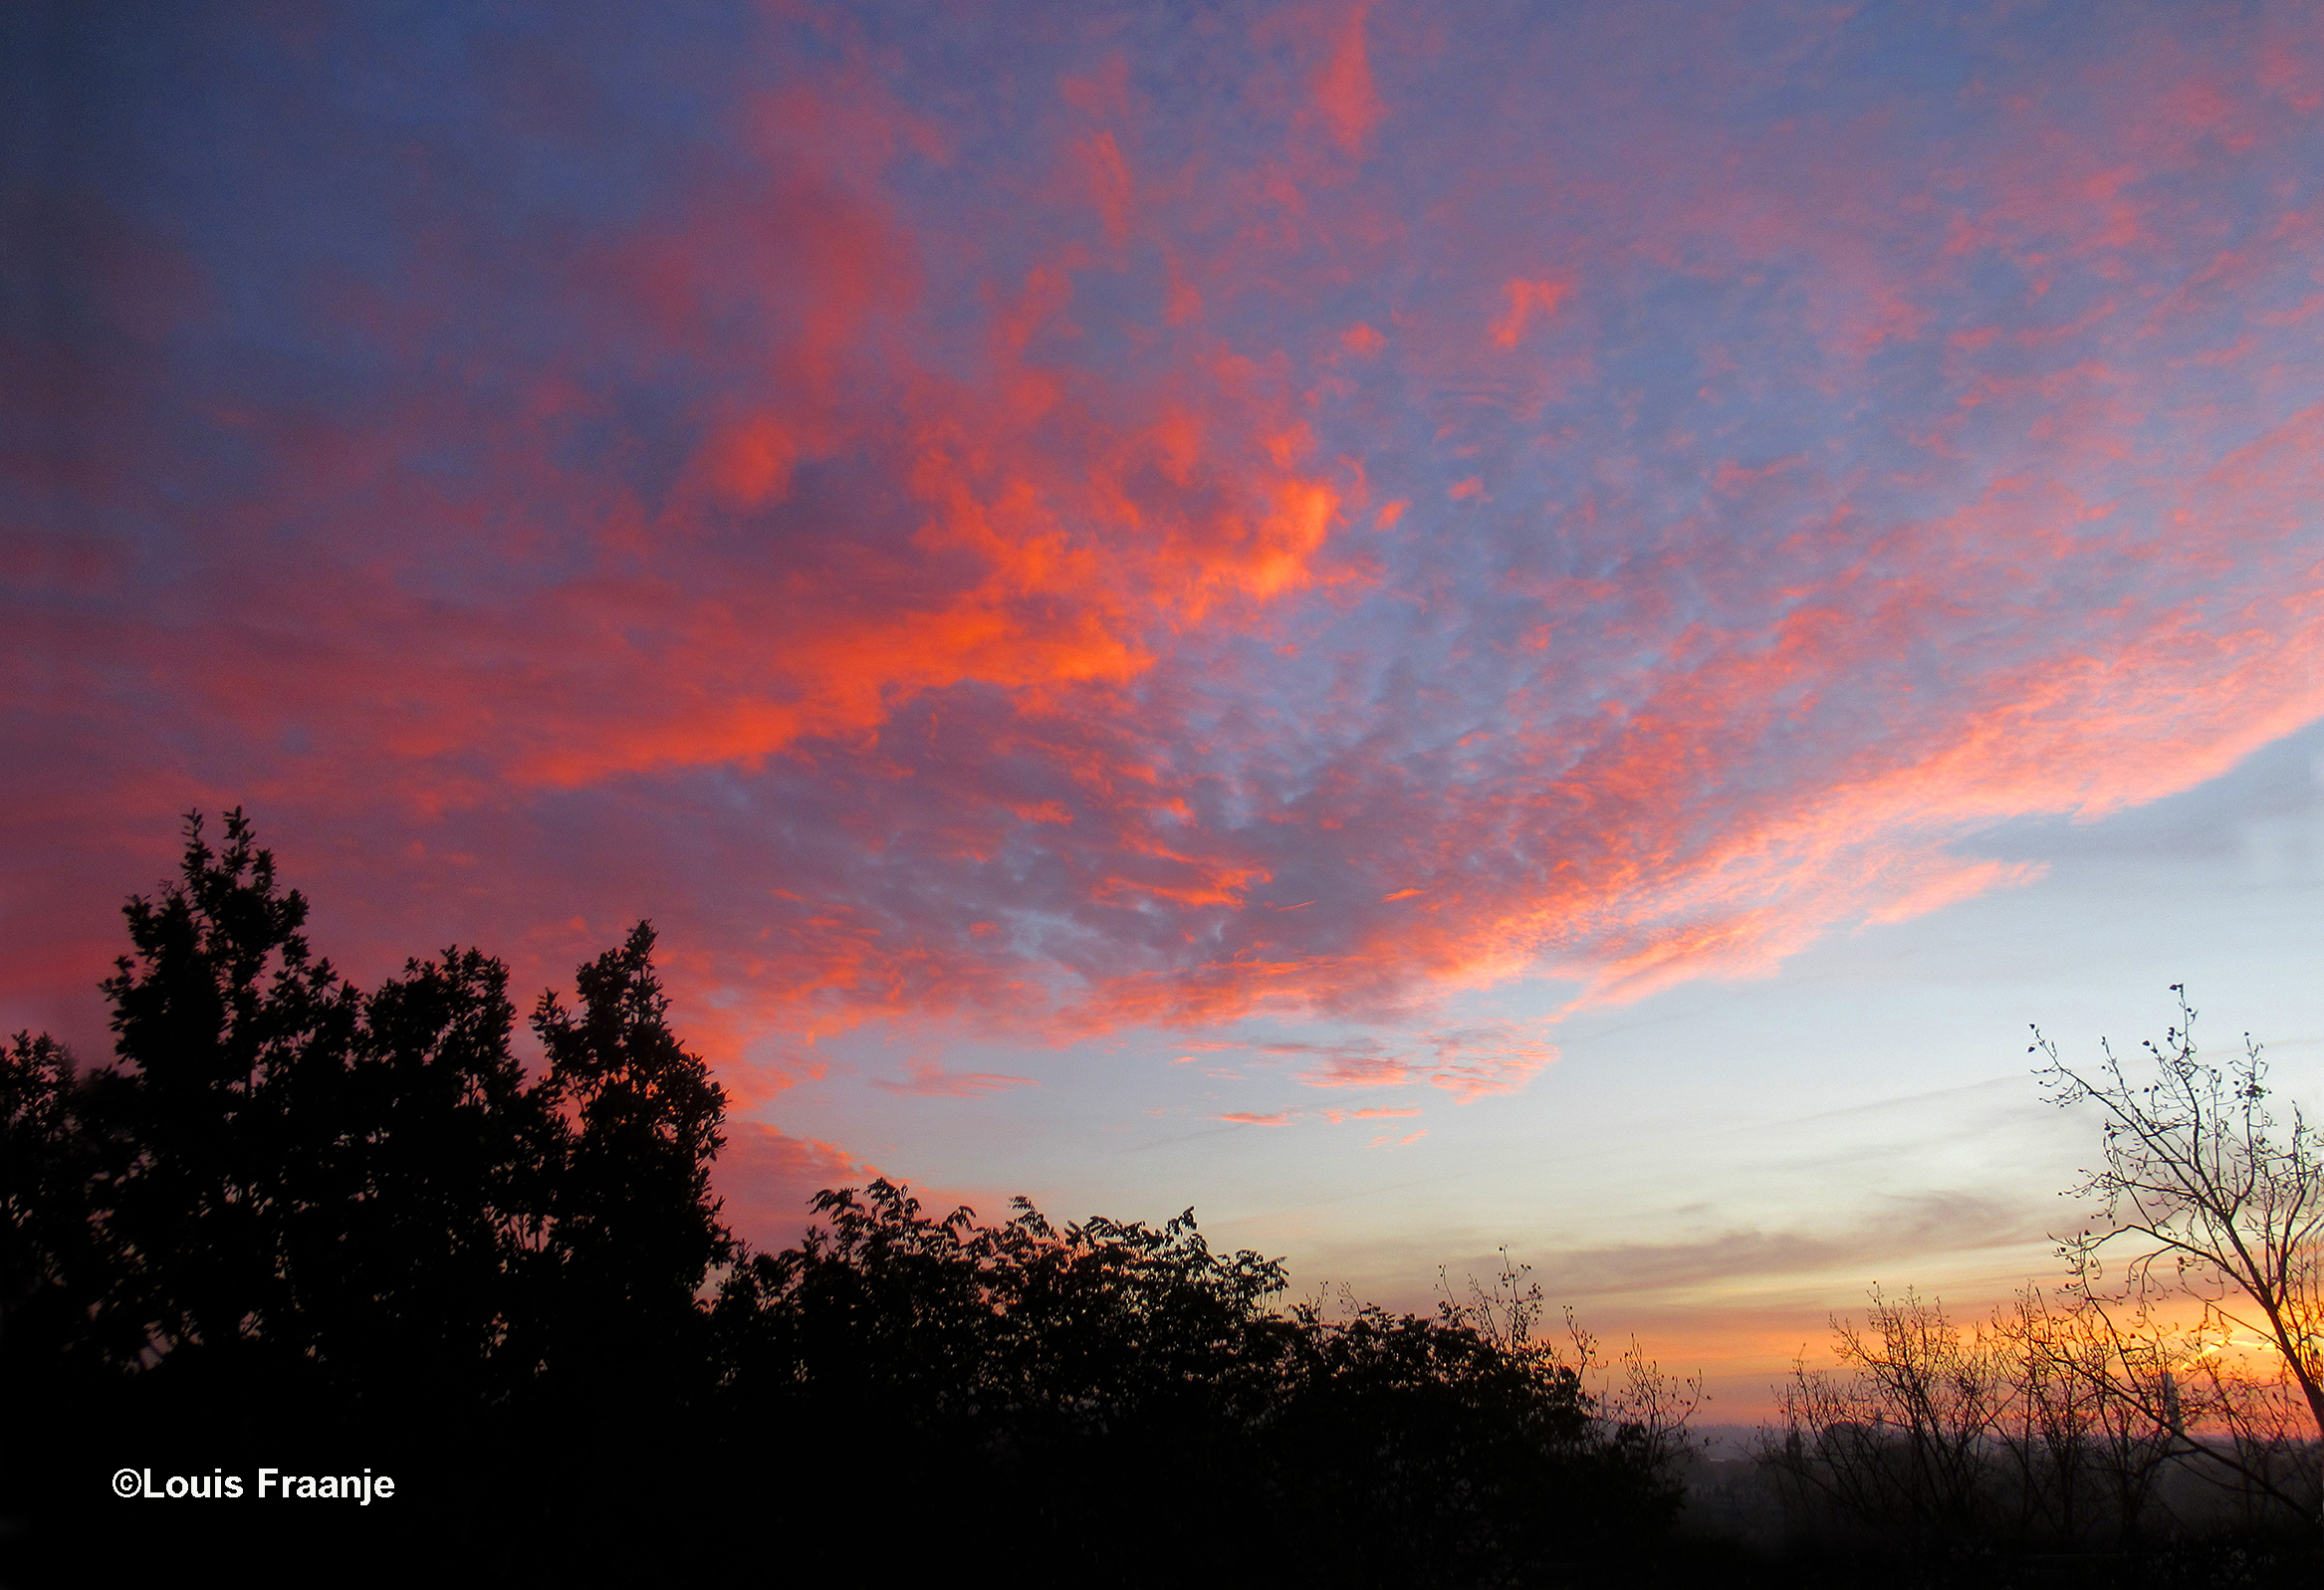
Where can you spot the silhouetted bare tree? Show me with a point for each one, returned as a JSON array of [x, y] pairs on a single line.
[[2171, 1382], [2203, 1195]]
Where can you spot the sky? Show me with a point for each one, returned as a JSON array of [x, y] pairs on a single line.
[[1423, 628]]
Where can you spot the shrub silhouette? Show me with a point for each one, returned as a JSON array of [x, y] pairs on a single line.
[[1049, 1372]]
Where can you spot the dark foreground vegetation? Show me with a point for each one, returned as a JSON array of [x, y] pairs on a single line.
[[321, 1230], [299, 1227]]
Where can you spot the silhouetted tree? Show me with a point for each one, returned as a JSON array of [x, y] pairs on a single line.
[[884, 1308], [2203, 1194], [632, 1230], [217, 1130], [1903, 1443], [1418, 1451], [437, 1185]]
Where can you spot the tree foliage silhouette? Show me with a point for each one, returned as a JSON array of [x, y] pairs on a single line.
[[288, 1190], [47, 1242], [1071, 1367]]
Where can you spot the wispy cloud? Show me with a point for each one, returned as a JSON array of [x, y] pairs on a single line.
[[1371, 1112], [931, 1078], [1913, 1230], [1468, 1062]]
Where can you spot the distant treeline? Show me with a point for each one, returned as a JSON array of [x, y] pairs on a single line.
[[301, 1226], [2044, 1434]]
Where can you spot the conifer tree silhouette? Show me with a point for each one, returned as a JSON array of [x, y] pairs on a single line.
[[216, 1130]]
